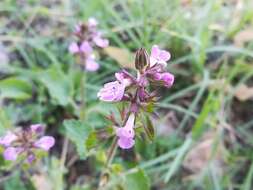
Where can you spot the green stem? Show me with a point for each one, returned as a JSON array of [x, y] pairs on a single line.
[[112, 152], [83, 96]]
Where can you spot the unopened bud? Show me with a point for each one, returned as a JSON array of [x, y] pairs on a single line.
[[141, 59]]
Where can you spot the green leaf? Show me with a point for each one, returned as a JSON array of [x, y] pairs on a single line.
[[137, 181], [91, 140], [5, 122], [58, 84], [78, 132], [14, 183], [56, 173], [15, 88]]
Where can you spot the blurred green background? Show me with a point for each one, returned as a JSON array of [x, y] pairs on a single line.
[[205, 126]]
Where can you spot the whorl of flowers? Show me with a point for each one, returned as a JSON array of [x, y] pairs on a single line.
[[24, 142], [88, 38], [151, 70]]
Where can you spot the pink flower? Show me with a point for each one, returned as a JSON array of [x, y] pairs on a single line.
[[37, 128], [45, 143], [8, 139], [126, 143], [166, 78], [112, 92], [74, 48], [91, 64], [123, 78], [30, 158], [78, 28], [126, 133], [159, 56], [92, 22], [10, 153], [86, 48], [101, 42]]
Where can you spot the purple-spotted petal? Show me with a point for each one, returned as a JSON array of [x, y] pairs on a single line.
[[112, 92], [123, 78], [37, 128], [126, 143], [45, 143], [8, 139], [73, 48], [10, 153]]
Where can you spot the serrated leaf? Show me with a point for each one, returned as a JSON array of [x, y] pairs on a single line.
[[149, 128], [15, 88], [14, 183], [59, 86], [78, 132], [137, 181], [91, 140]]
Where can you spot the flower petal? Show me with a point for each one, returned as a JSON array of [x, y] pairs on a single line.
[[10, 153], [101, 42], [91, 65], [45, 143], [92, 22], [126, 143], [112, 92], [164, 55], [37, 128], [73, 48], [30, 158], [8, 139], [86, 47], [168, 79], [155, 51]]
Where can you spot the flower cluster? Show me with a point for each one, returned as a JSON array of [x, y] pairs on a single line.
[[151, 70], [25, 142], [88, 38]]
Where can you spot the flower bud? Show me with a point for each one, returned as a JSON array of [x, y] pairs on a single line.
[[141, 59]]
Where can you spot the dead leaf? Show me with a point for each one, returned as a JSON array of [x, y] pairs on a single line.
[[41, 182], [204, 151], [242, 37], [122, 56], [243, 92]]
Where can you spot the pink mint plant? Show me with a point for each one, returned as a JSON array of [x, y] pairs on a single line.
[[25, 142], [88, 38], [151, 71]]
